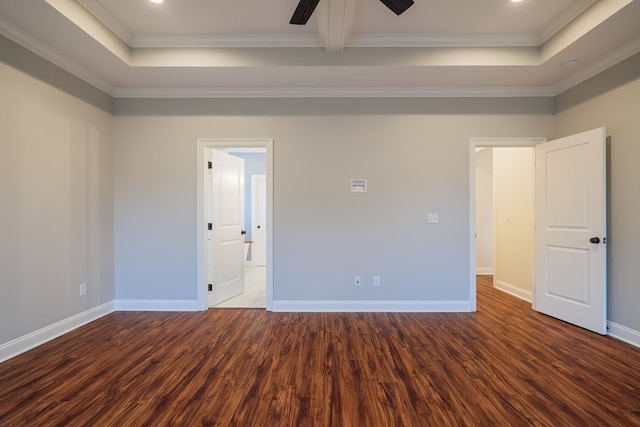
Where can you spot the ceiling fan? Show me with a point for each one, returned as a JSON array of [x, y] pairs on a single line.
[[306, 7]]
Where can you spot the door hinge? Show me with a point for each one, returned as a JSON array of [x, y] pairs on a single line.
[[209, 165], [210, 287], [209, 226]]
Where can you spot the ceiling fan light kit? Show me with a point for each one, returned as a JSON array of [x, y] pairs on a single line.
[[306, 7]]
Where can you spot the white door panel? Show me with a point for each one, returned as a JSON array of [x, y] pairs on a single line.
[[567, 175], [567, 277], [226, 238], [570, 210], [230, 188]]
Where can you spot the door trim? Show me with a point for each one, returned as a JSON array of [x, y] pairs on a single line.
[[473, 144], [202, 145]]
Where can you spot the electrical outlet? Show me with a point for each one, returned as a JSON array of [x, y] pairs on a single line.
[[83, 289], [357, 281], [376, 280]]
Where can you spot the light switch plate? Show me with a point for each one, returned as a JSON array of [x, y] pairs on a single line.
[[432, 218]]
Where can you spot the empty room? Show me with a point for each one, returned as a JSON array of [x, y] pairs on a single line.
[[441, 229]]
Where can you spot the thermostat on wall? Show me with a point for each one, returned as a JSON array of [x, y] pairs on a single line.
[[358, 185]]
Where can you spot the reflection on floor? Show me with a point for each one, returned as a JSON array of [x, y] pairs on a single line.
[[255, 290]]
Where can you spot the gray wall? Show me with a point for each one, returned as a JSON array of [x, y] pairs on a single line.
[[413, 152], [514, 203], [484, 212], [612, 99], [56, 194]]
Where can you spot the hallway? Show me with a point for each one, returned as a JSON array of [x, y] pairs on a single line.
[[255, 290]]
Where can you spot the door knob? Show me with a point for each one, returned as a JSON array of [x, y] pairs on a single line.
[[243, 232], [258, 226], [595, 240]]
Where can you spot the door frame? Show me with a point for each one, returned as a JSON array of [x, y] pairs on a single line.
[[201, 223], [485, 142]]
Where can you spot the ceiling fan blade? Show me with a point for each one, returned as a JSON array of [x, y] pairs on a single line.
[[398, 6], [304, 11]]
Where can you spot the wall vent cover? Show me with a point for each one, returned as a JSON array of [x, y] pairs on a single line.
[[358, 185]]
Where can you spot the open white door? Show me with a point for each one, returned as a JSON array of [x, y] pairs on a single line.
[[259, 220], [570, 229], [225, 239]]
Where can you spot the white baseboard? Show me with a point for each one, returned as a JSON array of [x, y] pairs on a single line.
[[623, 333], [484, 271], [157, 305], [513, 290], [41, 336], [372, 306]]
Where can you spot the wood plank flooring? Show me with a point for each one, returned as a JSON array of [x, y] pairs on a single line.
[[505, 365]]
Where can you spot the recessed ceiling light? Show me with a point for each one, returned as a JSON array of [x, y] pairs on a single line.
[[570, 62], [516, 1], [157, 1]]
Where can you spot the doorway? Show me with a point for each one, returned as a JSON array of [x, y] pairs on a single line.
[[505, 225], [234, 148], [570, 226], [476, 144], [254, 260]]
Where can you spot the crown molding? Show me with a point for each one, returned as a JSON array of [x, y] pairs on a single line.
[[110, 21], [363, 40], [563, 19], [48, 53], [597, 67], [346, 92], [43, 50], [274, 40], [406, 40], [389, 92], [288, 40]]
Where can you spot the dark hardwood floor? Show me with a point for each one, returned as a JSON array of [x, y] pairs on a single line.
[[504, 365]]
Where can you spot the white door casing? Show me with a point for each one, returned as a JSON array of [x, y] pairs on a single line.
[[202, 149], [225, 241], [570, 229], [258, 220], [475, 143]]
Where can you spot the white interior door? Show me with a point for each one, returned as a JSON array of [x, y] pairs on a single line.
[[570, 229], [259, 220], [225, 239]]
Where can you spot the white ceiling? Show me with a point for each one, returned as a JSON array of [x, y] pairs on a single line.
[[247, 48]]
